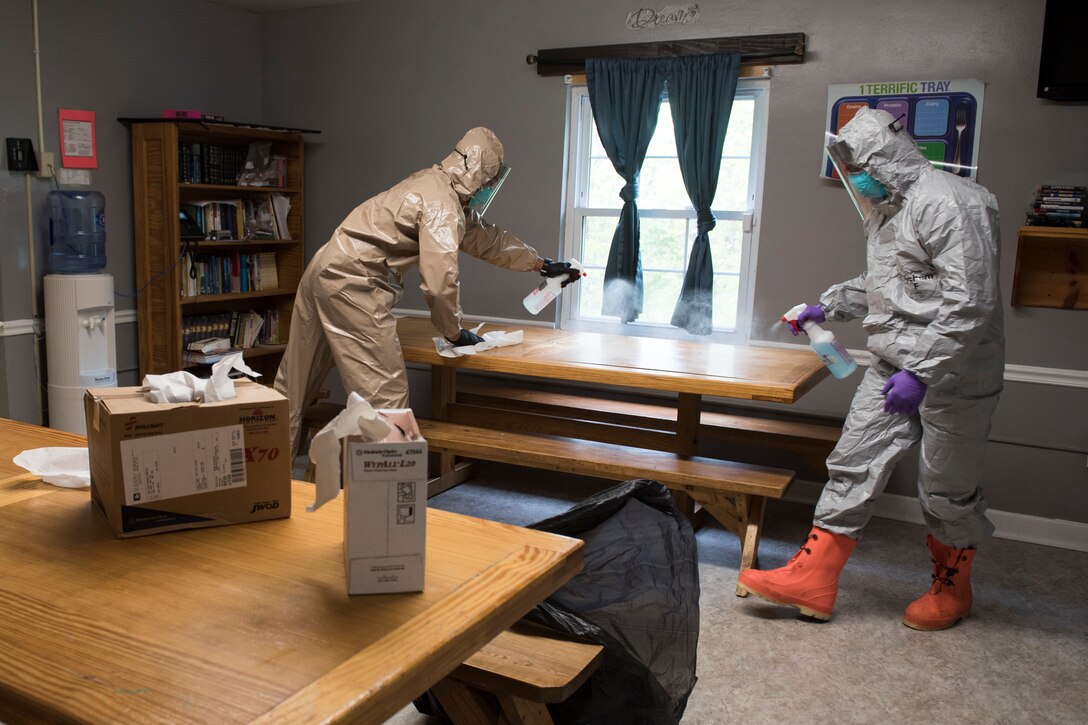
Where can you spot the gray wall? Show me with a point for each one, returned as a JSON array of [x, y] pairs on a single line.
[[393, 84], [119, 58]]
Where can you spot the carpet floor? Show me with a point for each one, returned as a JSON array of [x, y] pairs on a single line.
[[1022, 656]]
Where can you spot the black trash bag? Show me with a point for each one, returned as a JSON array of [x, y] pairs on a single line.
[[638, 595]]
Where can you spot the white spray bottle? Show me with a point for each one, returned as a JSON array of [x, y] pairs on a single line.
[[549, 289], [837, 358]]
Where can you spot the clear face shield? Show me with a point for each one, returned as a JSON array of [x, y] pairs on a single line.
[[866, 192], [482, 199]]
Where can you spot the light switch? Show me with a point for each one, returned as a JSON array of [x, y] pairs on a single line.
[[21, 155]]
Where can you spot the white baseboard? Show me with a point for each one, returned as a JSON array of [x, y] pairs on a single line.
[[1058, 533]]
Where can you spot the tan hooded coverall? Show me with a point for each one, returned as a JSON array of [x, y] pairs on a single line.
[[343, 308]]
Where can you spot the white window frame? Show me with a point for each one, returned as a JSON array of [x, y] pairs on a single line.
[[578, 143]]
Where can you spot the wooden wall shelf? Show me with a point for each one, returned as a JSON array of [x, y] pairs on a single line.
[[1051, 268]]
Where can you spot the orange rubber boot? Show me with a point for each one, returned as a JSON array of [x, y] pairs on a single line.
[[808, 581], [949, 598]]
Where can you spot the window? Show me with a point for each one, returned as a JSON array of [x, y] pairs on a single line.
[[668, 223]]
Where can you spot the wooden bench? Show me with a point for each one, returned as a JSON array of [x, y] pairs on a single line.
[[516, 675], [734, 494], [801, 446]]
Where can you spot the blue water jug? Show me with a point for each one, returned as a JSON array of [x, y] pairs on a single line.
[[77, 232]]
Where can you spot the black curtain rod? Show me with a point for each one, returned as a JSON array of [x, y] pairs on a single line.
[[775, 49]]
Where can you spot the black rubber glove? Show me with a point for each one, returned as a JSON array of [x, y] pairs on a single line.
[[467, 337], [557, 269]]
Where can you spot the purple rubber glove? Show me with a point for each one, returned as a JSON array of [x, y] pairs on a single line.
[[811, 312], [903, 393]]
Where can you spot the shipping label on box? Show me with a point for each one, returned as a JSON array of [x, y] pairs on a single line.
[[385, 511], [164, 466], [183, 464]]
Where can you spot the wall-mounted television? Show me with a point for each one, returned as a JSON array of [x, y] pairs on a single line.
[[1063, 65]]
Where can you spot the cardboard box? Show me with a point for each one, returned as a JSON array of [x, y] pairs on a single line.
[[165, 466], [385, 510]]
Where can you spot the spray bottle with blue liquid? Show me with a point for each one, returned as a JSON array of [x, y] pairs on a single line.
[[837, 358]]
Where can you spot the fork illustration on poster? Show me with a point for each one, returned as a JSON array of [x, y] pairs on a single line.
[[961, 126]]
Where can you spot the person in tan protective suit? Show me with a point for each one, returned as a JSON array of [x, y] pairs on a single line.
[[343, 307]]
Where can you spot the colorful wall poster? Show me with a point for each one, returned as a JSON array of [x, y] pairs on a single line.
[[942, 116]]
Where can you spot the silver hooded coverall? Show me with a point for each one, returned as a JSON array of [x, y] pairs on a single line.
[[343, 307], [931, 304]]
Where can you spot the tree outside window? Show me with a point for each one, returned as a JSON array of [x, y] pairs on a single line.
[[668, 222]]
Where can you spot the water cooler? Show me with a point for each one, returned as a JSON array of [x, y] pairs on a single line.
[[80, 346], [81, 350]]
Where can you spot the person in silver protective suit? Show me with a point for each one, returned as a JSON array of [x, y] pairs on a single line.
[[931, 304], [343, 307]]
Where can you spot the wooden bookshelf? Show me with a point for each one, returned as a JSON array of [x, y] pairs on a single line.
[[1051, 268], [162, 182]]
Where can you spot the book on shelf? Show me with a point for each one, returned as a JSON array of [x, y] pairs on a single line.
[[207, 338], [281, 206], [206, 163], [209, 345], [267, 277], [270, 330], [195, 328], [234, 265], [203, 358], [228, 272], [1058, 205], [248, 329], [263, 216], [223, 219]]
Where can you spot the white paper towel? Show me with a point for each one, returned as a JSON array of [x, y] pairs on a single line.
[[357, 418], [61, 466], [183, 387], [497, 338]]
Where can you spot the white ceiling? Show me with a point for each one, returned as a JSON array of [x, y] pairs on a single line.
[[270, 6]]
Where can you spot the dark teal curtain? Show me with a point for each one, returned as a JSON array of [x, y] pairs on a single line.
[[701, 90], [625, 94]]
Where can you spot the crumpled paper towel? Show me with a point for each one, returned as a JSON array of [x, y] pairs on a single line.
[[497, 338], [61, 466], [183, 386], [357, 418]]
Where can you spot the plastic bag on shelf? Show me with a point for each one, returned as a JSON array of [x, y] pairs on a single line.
[[262, 167]]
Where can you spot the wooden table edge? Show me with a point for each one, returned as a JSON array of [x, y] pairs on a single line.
[[787, 391], [335, 697]]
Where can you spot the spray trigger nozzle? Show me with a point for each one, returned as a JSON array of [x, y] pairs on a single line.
[[550, 288], [791, 316]]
